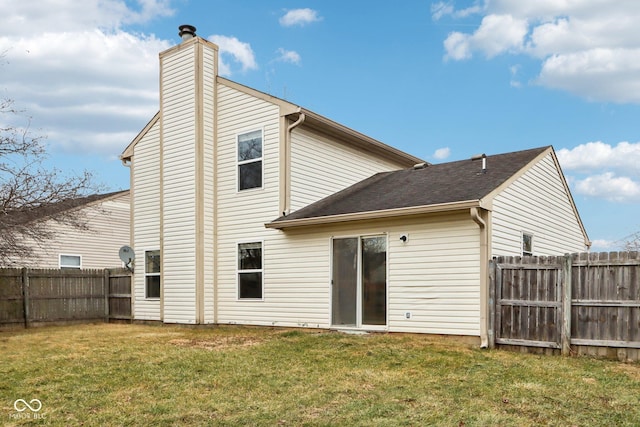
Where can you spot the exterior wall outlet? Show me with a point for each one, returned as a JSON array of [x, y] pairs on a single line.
[[407, 315]]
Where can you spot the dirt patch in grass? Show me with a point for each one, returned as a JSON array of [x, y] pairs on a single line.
[[218, 343]]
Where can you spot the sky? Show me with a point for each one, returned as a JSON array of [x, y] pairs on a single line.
[[442, 80]]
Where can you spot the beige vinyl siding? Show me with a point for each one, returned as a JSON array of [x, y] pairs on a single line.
[[178, 115], [146, 216], [107, 231], [536, 203], [321, 167], [242, 214], [435, 276], [208, 196]]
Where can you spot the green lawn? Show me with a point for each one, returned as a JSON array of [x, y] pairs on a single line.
[[163, 375]]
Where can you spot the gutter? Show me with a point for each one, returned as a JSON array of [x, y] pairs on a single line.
[[371, 215], [476, 216]]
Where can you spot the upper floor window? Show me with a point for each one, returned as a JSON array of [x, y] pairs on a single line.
[[70, 261], [527, 244], [250, 160]]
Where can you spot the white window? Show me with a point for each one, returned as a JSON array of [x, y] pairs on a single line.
[[250, 270], [527, 244], [70, 261], [152, 274], [250, 160]]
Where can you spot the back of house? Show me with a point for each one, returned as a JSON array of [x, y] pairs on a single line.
[[248, 209]]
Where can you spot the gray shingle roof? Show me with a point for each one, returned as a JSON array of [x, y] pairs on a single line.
[[25, 216], [435, 184]]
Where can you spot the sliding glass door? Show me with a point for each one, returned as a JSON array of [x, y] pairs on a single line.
[[359, 279]]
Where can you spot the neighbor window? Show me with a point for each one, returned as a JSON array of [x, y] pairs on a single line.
[[250, 270], [527, 244], [70, 261], [250, 160], [152, 274]]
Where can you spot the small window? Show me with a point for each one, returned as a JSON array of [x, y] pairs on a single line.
[[152, 274], [250, 160], [70, 261], [527, 244], [250, 270]]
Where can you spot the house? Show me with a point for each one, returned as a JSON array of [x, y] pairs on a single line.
[[248, 209], [101, 226]]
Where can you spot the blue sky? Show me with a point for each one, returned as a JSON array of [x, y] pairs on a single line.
[[442, 80]]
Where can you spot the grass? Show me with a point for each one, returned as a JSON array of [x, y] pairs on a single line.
[[164, 375]]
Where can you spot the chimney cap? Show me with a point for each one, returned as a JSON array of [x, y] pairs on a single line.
[[187, 32]]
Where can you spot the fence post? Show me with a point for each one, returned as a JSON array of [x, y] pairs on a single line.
[[25, 295], [565, 284], [106, 287]]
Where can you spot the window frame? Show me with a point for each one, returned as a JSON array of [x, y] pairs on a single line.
[[253, 270], [75, 267], [522, 244], [152, 274], [254, 160]]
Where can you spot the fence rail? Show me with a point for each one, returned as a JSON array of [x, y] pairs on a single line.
[[587, 303], [36, 296]]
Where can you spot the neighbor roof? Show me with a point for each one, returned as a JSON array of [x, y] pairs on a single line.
[[24, 216], [439, 185]]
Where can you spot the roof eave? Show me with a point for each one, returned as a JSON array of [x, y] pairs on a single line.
[[128, 152], [372, 215]]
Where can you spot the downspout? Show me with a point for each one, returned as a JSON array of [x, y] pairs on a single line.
[[484, 277], [286, 197]]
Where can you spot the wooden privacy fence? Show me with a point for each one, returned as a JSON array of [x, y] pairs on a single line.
[[587, 303], [37, 296]]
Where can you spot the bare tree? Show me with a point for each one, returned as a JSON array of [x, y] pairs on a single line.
[[30, 192], [632, 242]]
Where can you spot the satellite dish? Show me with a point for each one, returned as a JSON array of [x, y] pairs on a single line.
[[127, 255]]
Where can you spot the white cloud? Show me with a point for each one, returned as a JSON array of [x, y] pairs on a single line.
[[610, 187], [598, 156], [588, 47], [596, 74], [602, 171], [440, 9], [515, 70], [241, 52], [299, 17], [497, 34], [53, 16], [603, 245], [290, 56], [71, 67], [458, 46], [442, 153]]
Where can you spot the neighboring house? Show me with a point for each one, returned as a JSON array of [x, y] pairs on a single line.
[[105, 220], [248, 209]]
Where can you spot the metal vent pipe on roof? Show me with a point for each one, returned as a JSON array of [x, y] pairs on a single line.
[[484, 161], [187, 32], [420, 165]]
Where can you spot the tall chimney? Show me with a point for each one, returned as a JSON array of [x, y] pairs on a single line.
[[187, 32], [187, 175]]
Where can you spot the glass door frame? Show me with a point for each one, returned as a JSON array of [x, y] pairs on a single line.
[[359, 285]]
